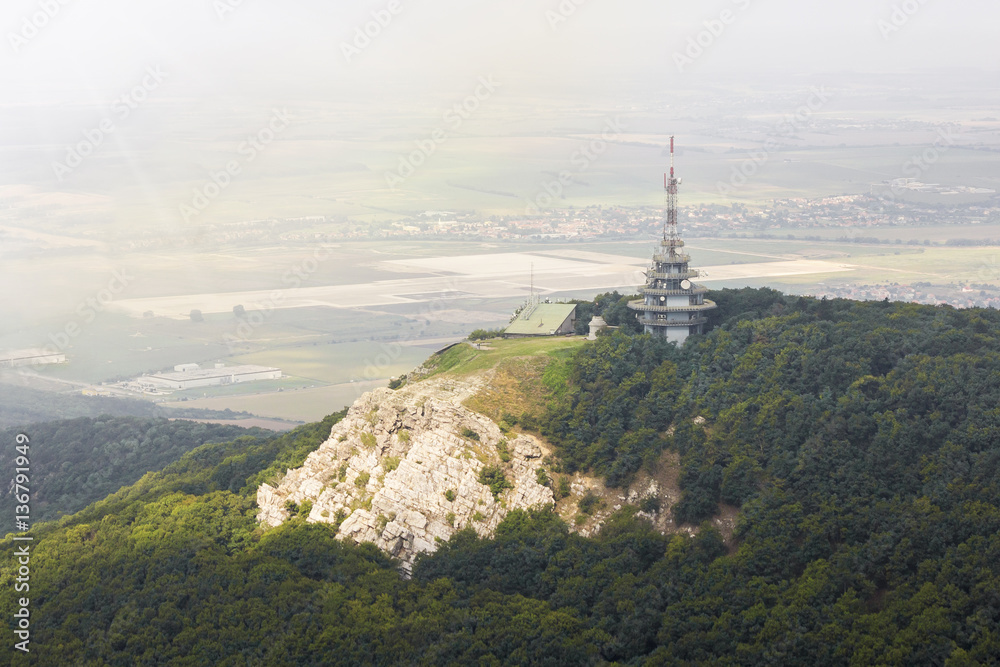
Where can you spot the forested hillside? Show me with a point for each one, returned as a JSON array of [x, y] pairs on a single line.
[[79, 461], [861, 442]]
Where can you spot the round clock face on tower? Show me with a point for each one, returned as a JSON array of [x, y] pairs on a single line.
[[685, 284]]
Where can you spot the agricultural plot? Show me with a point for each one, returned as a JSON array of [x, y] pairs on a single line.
[[308, 405]]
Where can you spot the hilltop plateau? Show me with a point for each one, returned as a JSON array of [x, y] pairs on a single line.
[[408, 468], [811, 482]]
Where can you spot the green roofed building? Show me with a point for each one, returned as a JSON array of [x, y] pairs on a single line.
[[543, 319]]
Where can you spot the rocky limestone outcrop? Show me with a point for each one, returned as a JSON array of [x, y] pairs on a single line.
[[402, 471]]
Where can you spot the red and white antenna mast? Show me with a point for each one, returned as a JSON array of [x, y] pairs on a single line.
[[670, 185]]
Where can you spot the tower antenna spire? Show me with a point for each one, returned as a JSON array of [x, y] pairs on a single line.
[[671, 306], [670, 184], [532, 303]]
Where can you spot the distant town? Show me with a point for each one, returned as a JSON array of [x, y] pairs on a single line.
[[853, 213], [958, 296]]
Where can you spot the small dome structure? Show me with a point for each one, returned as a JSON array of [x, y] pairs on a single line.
[[597, 325]]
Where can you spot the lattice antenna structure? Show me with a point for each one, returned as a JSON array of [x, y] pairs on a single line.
[[671, 184]]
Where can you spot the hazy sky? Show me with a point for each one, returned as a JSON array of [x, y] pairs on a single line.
[[565, 66], [264, 48]]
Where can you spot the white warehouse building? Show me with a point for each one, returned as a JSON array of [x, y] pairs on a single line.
[[194, 376], [32, 357]]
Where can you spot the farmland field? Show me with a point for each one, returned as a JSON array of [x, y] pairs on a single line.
[[302, 405], [327, 310]]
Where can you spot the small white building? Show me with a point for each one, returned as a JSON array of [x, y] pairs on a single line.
[[597, 325], [543, 319]]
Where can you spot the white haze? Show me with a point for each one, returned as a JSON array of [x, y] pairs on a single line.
[[226, 70], [273, 50]]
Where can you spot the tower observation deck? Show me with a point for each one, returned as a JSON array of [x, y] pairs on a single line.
[[672, 307]]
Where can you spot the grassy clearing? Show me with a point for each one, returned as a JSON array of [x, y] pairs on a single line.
[[528, 372], [556, 375], [463, 360]]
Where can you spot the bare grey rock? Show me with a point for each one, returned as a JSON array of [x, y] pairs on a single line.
[[386, 471]]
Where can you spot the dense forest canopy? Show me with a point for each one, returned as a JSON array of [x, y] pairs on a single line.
[[76, 462], [860, 441]]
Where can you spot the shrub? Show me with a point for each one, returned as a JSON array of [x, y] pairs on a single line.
[[542, 477], [404, 436], [495, 478], [450, 518], [449, 495], [589, 503], [564, 487], [362, 480], [478, 516], [740, 481], [504, 451], [485, 334], [342, 473], [295, 509], [368, 440], [390, 463], [470, 434], [650, 505]]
